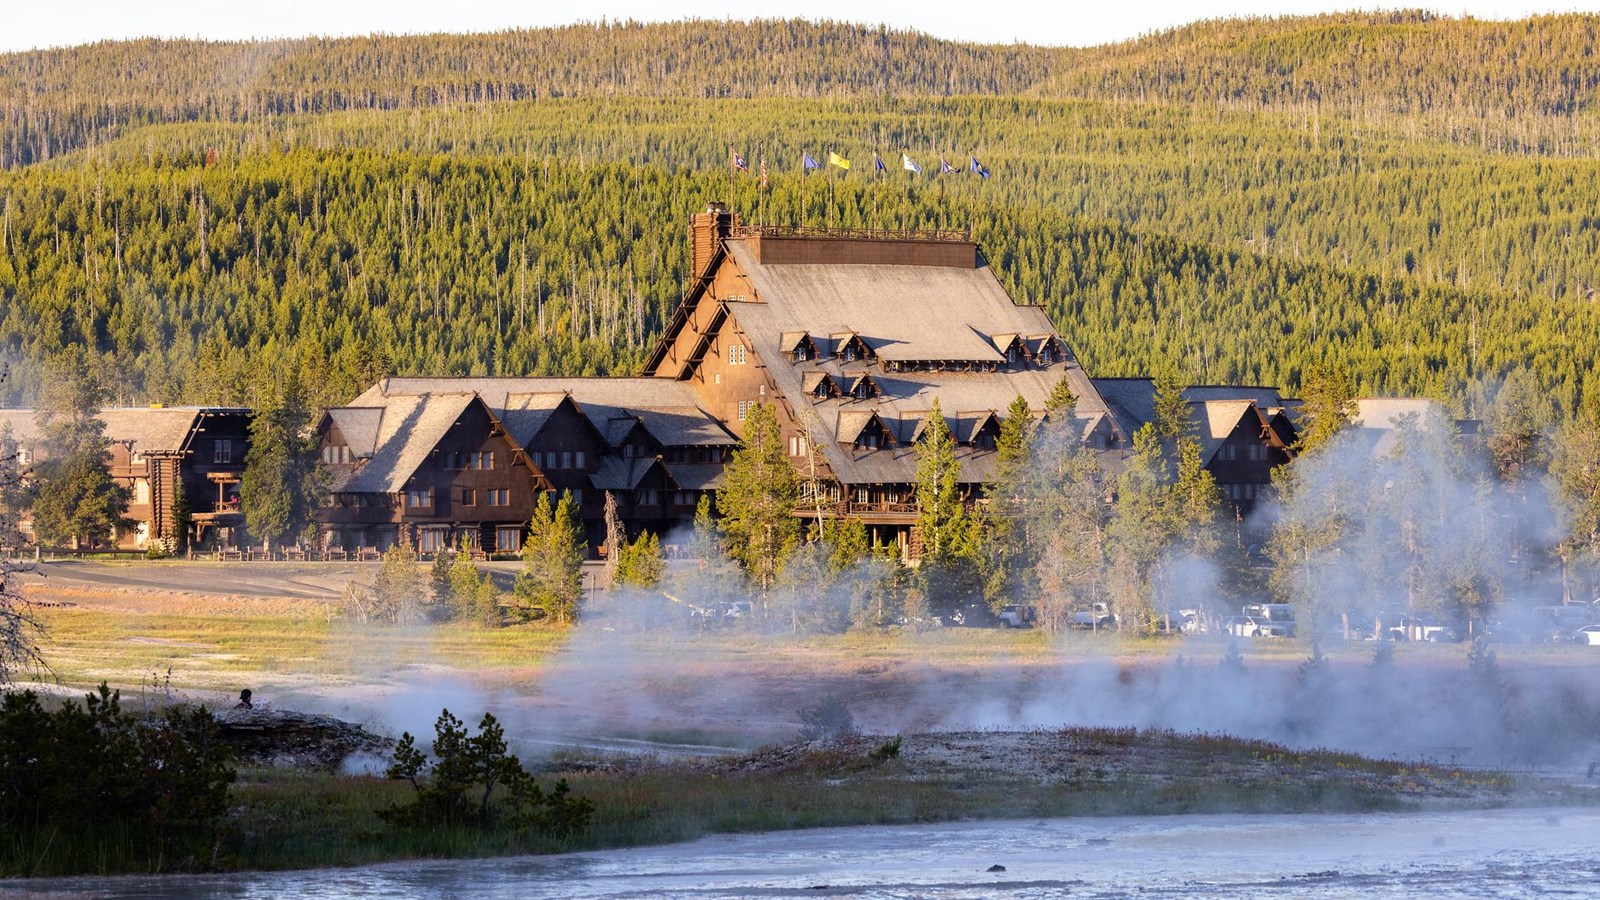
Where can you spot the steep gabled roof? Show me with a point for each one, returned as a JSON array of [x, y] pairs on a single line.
[[359, 427], [525, 415], [618, 473], [412, 425]]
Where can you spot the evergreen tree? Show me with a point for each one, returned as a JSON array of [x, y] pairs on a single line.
[[1064, 520], [640, 564], [1517, 419], [1062, 401], [281, 487], [552, 573], [1328, 405], [951, 570], [77, 499], [705, 545], [757, 500], [1172, 421]]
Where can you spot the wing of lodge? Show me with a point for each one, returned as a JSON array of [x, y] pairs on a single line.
[[183, 466]]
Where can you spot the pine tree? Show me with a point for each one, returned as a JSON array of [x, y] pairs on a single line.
[[1328, 406], [640, 564], [1062, 401], [77, 499], [951, 569], [281, 487], [757, 500], [552, 573]]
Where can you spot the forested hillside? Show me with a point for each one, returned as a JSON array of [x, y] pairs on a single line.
[[1415, 197]]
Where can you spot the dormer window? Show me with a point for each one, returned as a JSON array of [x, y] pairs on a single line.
[[801, 354], [850, 353], [1046, 355]]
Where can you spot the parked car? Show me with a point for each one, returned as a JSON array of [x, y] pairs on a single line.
[[1246, 626], [1588, 635], [1278, 616], [1015, 615], [1097, 618]]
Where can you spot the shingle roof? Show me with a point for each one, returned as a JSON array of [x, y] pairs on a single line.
[[1378, 419], [904, 312], [410, 427], [1215, 409], [359, 427], [163, 429], [525, 414], [697, 476], [600, 399], [618, 473]]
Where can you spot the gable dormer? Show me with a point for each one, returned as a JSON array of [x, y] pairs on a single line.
[[1046, 349], [798, 346], [820, 386], [1010, 346], [980, 429], [849, 347], [864, 430], [863, 387]]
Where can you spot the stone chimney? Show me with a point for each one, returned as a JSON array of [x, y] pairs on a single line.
[[706, 231]]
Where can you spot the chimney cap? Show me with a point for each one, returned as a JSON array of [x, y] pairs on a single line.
[[717, 206]]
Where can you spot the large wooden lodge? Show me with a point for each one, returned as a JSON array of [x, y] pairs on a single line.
[[852, 336]]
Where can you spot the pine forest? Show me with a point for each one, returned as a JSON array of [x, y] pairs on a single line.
[[1412, 197]]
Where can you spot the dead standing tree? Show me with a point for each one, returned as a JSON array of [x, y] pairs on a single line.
[[20, 628]]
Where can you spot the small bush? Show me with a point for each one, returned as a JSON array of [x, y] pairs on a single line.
[[887, 750], [473, 782], [91, 788], [827, 720]]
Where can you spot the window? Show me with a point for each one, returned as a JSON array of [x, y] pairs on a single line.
[[469, 497], [798, 446], [135, 458], [508, 538], [648, 498], [1228, 452], [863, 495], [800, 353], [141, 490], [24, 457], [423, 497], [737, 355], [1257, 452], [683, 498], [717, 379], [744, 406], [1011, 353], [222, 451], [577, 496], [432, 540], [499, 496], [869, 440], [577, 459], [334, 454], [566, 459]]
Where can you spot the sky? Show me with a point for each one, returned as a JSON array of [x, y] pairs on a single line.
[[28, 25]]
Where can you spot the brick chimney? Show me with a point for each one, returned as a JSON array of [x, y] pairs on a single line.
[[706, 232]]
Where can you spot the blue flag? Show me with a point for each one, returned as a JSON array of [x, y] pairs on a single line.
[[738, 160], [910, 165], [945, 168], [978, 169], [808, 163], [877, 164]]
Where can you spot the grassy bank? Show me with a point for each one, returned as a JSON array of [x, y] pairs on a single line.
[[300, 819]]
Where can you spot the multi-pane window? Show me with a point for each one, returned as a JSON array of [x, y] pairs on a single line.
[[508, 538], [577, 459], [336, 453], [432, 540], [744, 407], [222, 451], [798, 446], [577, 496], [737, 355], [499, 496], [469, 497], [648, 498], [566, 459], [423, 497]]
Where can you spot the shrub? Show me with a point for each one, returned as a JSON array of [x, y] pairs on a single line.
[[474, 782], [827, 720], [90, 788]]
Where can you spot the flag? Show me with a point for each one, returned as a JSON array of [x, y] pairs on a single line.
[[877, 163], [763, 171], [945, 168], [835, 159], [738, 161], [808, 163], [909, 164], [978, 169]]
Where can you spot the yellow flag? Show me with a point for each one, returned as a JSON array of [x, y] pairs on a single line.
[[835, 159]]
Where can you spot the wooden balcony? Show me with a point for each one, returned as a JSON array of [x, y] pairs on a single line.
[[873, 512]]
